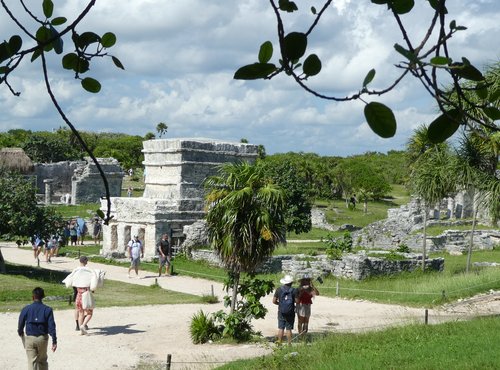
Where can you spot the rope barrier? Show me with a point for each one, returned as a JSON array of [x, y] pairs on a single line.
[[384, 291]]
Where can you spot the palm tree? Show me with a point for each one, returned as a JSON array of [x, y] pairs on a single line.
[[161, 128], [245, 218], [472, 172], [430, 180]]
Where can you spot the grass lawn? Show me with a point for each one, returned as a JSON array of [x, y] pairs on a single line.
[[84, 210], [453, 345], [17, 284]]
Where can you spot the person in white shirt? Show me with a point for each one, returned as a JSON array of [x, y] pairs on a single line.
[[136, 252]]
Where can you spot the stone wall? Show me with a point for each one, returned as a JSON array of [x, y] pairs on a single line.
[[61, 171], [352, 266], [80, 179], [404, 226], [87, 185]]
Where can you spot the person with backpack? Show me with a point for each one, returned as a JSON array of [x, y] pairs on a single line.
[[285, 297]]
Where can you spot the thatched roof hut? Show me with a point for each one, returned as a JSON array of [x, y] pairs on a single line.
[[15, 159]]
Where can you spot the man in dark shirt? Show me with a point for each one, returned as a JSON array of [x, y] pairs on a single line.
[[39, 322], [165, 252]]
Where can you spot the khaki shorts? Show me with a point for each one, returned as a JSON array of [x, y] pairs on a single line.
[[304, 310]]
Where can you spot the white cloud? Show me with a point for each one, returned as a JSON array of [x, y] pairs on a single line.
[[180, 57]]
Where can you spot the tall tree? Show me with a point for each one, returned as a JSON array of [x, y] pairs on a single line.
[[431, 181], [245, 218], [161, 129]]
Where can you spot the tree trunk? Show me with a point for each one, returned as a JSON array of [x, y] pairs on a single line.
[[2, 263], [365, 206], [424, 246], [471, 243], [235, 291]]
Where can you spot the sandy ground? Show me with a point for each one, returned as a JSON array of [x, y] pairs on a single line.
[[120, 338]]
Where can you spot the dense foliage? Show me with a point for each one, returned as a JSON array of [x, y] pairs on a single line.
[[62, 145], [20, 216]]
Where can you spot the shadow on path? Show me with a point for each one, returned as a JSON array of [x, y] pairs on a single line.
[[114, 330]]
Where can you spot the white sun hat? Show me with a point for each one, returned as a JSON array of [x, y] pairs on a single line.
[[287, 280]]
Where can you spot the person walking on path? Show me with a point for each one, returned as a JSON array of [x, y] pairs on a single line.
[[285, 297], [307, 291], [38, 319], [135, 252], [82, 279], [165, 250]]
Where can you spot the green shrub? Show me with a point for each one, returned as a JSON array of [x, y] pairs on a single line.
[[203, 328], [403, 248], [336, 246], [208, 298]]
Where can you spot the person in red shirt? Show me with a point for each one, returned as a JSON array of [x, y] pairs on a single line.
[[307, 291]]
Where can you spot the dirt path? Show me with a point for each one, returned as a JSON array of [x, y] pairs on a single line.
[[120, 338]]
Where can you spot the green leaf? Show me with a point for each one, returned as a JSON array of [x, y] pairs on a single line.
[[380, 2], [83, 65], [48, 8], [435, 5], [481, 90], [313, 10], [58, 42], [70, 61], [15, 44], [35, 55], [287, 6], [43, 34], [312, 65], [295, 44], [85, 39], [58, 21], [91, 85], [380, 119], [406, 53], [369, 77], [100, 213], [460, 28], [492, 112], [265, 52], [4, 51], [254, 71], [468, 71], [402, 6], [117, 62], [4, 69], [108, 39], [444, 126], [440, 60], [494, 96], [453, 24]]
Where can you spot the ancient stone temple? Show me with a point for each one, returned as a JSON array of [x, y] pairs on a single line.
[[173, 196]]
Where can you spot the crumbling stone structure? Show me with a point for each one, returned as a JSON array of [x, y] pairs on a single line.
[[404, 226], [78, 181], [173, 196]]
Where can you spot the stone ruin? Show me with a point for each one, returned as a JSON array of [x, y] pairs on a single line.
[[175, 170], [77, 182], [404, 226]]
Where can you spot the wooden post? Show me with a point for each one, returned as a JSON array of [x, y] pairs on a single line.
[[426, 316], [213, 295], [337, 289], [169, 361]]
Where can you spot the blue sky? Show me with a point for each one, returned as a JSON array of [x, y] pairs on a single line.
[[180, 57]]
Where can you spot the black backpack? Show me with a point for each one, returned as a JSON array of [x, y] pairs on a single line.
[[286, 302]]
